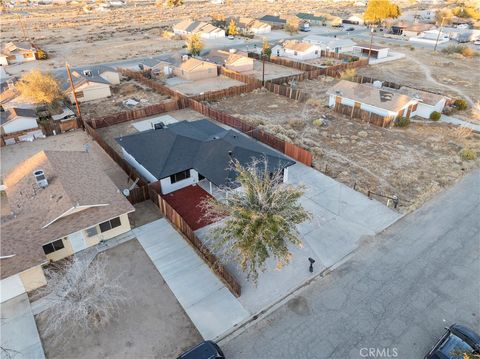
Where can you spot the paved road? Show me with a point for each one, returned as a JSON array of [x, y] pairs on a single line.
[[396, 293]]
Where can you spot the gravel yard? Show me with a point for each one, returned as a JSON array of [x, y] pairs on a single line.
[[412, 163], [272, 71], [153, 325], [197, 87]]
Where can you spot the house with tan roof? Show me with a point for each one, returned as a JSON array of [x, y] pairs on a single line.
[[408, 29], [57, 203], [236, 61], [299, 50], [367, 99], [195, 69], [15, 53], [204, 29], [330, 43], [254, 26]]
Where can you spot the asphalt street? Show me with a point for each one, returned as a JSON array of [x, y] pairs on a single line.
[[393, 296]]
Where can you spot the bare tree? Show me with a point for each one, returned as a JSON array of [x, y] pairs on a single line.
[[82, 297], [259, 220]]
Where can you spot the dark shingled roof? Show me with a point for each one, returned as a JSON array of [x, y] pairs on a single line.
[[14, 112], [275, 19], [200, 145]]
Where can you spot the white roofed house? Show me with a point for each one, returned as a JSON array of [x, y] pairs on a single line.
[[204, 29], [331, 44], [300, 50], [14, 53], [254, 26]]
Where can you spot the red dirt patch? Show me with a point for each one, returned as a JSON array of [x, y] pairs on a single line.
[[185, 201]]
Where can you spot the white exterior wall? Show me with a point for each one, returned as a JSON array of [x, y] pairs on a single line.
[[424, 110], [167, 186], [365, 107], [262, 30], [382, 53], [213, 35], [3, 61], [92, 91], [20, 124], [142, 170], [307, 55]]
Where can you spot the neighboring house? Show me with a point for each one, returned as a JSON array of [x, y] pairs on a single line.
[[17, 53], [184, 153], [237, 61], [312, 18], [251, 25], [379, 101], [332, 44], [204, 29], [431, 36], [194, 69], [376, 52], [410, 29], [300, 50], [354, 20], [91, 83], [275, 21], [462, 35], [18, 119], [156, 66], [427, 102], [60, 202]]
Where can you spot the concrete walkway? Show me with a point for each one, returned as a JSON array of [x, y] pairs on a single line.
[[208, 303], [459, 122], [19, 334], [342, 219]]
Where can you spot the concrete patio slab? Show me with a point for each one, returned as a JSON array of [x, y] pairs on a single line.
[[208, 303], [19, 334]]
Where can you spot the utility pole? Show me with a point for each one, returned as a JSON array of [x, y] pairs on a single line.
[[263, 69], [370, 48], [73, 91], [438, 36]]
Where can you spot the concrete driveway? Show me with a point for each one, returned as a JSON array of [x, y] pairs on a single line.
[[19, 334], [342, 219]]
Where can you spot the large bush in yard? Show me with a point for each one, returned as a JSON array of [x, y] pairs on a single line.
[[460, 104], [402, 122], [435, 116]]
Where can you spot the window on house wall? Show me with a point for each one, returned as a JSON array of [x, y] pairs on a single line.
[[79, 94], [53, 246], [92, 231], [180, 176], [295, 53], [316, 52], [108, 225]]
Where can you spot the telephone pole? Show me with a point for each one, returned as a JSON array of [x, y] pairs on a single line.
[[370, 48], [438, 36], [73, 91]]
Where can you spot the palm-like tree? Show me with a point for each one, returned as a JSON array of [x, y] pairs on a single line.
[[259, 220]]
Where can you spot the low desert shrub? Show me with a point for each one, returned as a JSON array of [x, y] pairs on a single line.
[[460, 104], [318, 122], [296, 123], [402, 122], [468, 154], [467, 52], [435, 116]]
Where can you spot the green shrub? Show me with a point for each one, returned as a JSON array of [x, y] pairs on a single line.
[[402, 122], [468, 154], [353, 59], [435, 116], [318, 122], [412, 48], [460, 105]]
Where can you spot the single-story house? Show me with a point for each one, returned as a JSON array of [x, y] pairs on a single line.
[[236, 61], [18, 119], [376, 52], [276, 21], [355, 19], [156, 67], [379, 101], [17, 53], [431, 36], [428, 102], [254, 26], [60, 202], [462, 35], [184, 153], [410, 29], [332, 44], [204, 29], [300, 50], [91, 83], [195, 69], [312, 18]]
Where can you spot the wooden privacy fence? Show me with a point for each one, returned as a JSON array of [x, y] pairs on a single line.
[[287, 91], [248, 79], [138, 76], [138, 194], [179, 223], [231, 91], [109, 120], [131, 172], [365, 116]]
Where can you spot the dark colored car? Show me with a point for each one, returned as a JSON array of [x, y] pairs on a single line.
[[205, 350], [457, 340], [350, 29]]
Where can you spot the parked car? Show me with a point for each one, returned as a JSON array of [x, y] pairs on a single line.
[[231, 37], [454, 343], [205, 350], [350, 29]]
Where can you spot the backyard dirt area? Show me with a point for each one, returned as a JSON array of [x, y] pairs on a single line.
[[197, 87], [13, 155], [152, 325], [412, 163], [127, 128], [317, 88], [272, 71], [126, 90], [451, 75], [324, 61]]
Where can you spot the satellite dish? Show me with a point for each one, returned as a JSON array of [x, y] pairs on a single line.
[[126, 192]]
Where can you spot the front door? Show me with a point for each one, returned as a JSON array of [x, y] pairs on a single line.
[[77, 241]]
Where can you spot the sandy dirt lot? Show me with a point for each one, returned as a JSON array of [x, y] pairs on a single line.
[[126, 128], [272, 71], [412, 163], [70, 141], [191, 88], [153, 325], [450, 75], [123, 91]]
